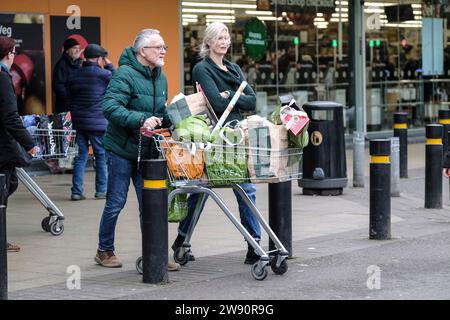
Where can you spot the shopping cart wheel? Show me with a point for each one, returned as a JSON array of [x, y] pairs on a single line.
[[45, 224], [56, 228], [261, 274], [181, 256], [139, 267], [281, 269]]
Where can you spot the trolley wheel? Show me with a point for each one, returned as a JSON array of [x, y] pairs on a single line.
[[281, 269], [45, 224], [261, 275], [181, 257], [139, 266], [56, 229]]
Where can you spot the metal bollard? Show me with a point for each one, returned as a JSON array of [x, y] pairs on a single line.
[[3, 243], [401, 131], [154, 221], [380, 190], [358, 159], [433, 166], [280, 213], [395, 167]]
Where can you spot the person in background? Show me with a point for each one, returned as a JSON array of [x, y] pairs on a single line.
[[136, 97], [13, 134], [86, 89], [68, 62], [220, 79]]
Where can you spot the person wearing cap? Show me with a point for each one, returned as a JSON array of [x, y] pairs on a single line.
[[70, 61], [13, 134], [86, 89]]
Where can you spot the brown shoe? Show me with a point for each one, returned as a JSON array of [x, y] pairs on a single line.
[[12, 247], [107, 259], [173, 266]]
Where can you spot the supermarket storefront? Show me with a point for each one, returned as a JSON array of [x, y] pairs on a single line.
[[307, 53], [299, 47]]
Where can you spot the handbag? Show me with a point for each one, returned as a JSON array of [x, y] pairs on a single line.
[[22, 157]]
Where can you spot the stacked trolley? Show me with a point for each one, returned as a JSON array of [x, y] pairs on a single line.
[[51, 144], [268, 165]]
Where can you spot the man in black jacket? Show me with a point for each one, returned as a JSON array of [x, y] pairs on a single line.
[[68, 63], [13, 134]]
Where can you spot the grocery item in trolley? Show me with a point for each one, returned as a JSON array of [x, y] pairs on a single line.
[[54, 143], [226, 157], [269, 159], [182, 107]]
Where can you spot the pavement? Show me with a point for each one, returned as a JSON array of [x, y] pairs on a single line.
[[332, 255]]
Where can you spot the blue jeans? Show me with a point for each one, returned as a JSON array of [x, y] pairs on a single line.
[[79, 163], [120, 171], [248, 219]]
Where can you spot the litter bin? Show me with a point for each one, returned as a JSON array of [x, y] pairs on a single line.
[[324, 161]]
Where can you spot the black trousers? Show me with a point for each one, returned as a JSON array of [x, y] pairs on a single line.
[[12, 182]]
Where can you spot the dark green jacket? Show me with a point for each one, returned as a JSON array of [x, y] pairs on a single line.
[[214, 80], [134, 94]]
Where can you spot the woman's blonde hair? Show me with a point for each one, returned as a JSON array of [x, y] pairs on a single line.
[[212, 32]]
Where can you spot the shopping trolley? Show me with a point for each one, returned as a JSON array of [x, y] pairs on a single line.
[[286, 163], [50, 144]]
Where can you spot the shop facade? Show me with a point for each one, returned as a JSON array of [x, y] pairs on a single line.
[[302, 48]]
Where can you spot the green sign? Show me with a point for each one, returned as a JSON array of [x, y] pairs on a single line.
[[255, 39]]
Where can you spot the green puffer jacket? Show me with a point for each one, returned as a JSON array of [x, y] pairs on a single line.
[[134, 93]]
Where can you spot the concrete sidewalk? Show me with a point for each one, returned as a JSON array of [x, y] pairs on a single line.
[[321, 226]]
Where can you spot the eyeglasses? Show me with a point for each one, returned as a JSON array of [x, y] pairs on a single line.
[[14, 53], [160, 48]]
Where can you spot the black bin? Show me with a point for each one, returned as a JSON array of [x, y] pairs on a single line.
[[324, 161]]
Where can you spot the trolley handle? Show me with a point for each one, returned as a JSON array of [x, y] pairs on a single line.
[[150, 133]]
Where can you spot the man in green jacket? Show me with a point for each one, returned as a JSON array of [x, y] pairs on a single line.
[[135, 97]]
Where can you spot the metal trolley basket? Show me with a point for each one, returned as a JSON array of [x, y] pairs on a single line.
[[50, 144], [285, 164]]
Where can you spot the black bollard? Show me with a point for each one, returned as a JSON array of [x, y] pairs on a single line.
[[280, 213], [3, 243], [380, 190], [433, 166], [444, 119], [401, 131], [154, 221]]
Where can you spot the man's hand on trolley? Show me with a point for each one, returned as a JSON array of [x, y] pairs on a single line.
[[152, 122]]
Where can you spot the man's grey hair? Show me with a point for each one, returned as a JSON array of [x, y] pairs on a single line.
[[212, 32], [142, 38]]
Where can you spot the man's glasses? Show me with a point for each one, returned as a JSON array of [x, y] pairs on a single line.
[[160, 48], [14, 53]]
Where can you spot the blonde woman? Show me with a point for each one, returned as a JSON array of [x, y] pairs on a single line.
[[220, 79]]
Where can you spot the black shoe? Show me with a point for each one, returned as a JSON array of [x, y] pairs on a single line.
[[251, 256], [178, 243]]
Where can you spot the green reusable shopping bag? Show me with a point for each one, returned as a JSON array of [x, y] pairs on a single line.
[[178, 209], [226, 158]]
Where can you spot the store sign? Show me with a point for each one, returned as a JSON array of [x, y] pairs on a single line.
[[255, 39], [324, 6]]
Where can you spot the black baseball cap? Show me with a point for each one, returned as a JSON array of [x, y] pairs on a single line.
[[93, 50]]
